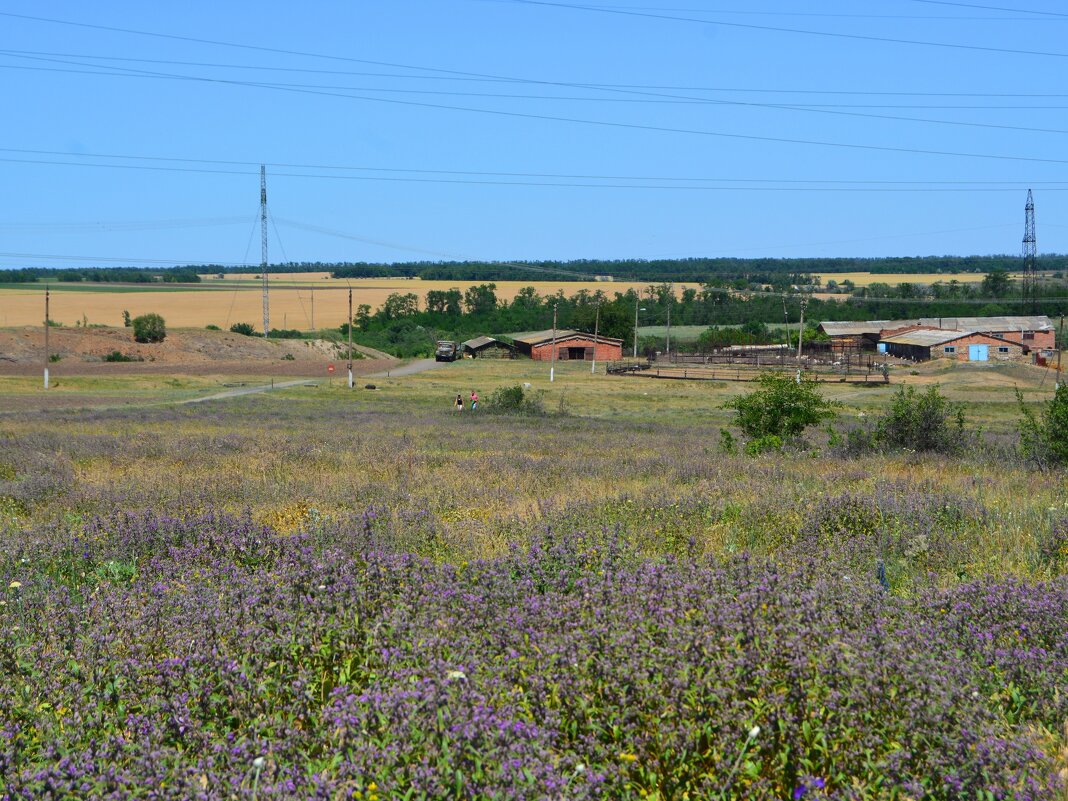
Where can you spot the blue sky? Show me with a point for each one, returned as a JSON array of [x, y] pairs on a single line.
[[399, 130]]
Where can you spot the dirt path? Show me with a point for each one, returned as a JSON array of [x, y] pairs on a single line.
[[411, 368], [233, 393]]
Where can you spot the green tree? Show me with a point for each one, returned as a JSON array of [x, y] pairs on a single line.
[[245, 329], [1044, 437], [149, 328], [480, 299], [398, 306], [922, 421], [784, 406], [995, 283]]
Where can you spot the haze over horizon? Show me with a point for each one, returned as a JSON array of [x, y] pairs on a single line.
[[500, 130]]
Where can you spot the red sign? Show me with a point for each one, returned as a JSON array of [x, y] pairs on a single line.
[[330, 368]]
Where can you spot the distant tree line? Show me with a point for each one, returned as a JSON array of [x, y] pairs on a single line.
[[781, 274], [101, 275]]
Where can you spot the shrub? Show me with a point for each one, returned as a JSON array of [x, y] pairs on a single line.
[[514, 400], [149, 328], [126, 321], [285, 333], [783, 407], [119, 356], [212, 327], [1044, 438], [921, 421], [246, 329]]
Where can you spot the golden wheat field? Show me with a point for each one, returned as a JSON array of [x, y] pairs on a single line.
[[223, 303], [867, 279]]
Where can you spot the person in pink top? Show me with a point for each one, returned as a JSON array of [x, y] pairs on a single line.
[[474, 400]]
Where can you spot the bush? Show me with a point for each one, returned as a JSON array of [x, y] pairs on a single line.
[[285, 333], [149, 328], [783, 407], [246, 329], [921, 421], [212, 327], [514, 400], [119, 356], [1044, 438], [126, 321]]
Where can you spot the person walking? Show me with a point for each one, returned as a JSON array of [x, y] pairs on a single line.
[[474, 400], [459, 402]]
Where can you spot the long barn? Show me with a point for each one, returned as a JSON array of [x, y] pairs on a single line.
[[570, 345]]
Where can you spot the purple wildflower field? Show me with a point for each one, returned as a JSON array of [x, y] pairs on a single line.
[[419, 607]]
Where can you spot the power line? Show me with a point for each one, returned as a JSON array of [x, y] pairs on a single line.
[[654, 97], [657, 128], [736, 12], [724, 184], [991, 8], [779, 29], [471, 78]]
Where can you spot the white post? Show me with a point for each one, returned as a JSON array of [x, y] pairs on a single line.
[[350, 337], [552, 363], [46, 341], [596, 327]]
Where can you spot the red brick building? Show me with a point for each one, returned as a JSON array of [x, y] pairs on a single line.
[[965, 346], [1034, 332], [570, 346]]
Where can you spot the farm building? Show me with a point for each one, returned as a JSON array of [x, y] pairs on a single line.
[[487, 348], [921, 344], [570, 345], [1033, 332]]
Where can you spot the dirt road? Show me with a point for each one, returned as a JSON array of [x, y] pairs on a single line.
[[233, 393], [411, 368]]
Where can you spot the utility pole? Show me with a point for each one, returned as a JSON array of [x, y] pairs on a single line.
[[637, 301], [1061, 347], [350, 337], [667, 346], [800, 336], [1030, 254], [596, 327], [263, 249], [552, 362], [46, 341], [313, 308]]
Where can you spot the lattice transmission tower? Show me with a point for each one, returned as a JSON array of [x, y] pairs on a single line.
[[263, 248], [1030, 254]]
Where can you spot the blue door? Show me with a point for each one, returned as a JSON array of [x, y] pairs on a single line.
[[978, 353], [882, 347]]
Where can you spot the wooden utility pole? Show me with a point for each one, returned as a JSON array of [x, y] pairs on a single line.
[[46, 354], [350, 337], [800, 337], [667, 345], [596, 327], [552, 356], [313, 309], [1060, 347]]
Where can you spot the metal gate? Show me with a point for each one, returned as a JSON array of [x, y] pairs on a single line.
[[978, 353]]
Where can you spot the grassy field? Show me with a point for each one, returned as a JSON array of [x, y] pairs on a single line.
[[324, 593]]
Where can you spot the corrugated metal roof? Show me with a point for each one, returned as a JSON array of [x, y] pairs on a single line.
[[997, 324], [925, 338], [847, 328], [479, 342], [537, 337], [541, 337], [1022, 323]]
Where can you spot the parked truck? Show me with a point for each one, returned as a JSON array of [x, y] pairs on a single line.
[[447, 351]]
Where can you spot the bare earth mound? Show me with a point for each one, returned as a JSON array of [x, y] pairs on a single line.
[[82, 351]]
